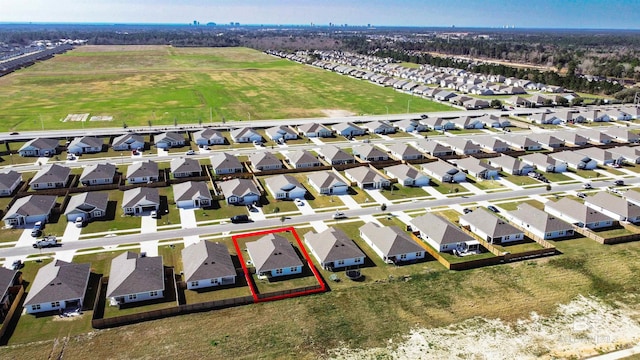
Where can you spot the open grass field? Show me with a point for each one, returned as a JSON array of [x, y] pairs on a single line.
[[165, 85]]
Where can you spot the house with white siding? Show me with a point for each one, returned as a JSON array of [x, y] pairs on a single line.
[[334, 249], [192, 194], [85, 145], [442, 235], [9, 181], [209, 136], [51, 176], [273, 255], [223, 163], [407, 175], [39, 147], [490, 227], [328, 183], [578, 214], [614, 206], [88, 206], [539, 223], [312, 130], [240, 191], [59, 285], [511, 165], [142, 172], [98, 174], [444, 172], [285, 187], [29, 210], [128, 142], [391, 244], [169, 140], [302, 159], [207, 264], [403, 151], [135, 278], [264, 161]]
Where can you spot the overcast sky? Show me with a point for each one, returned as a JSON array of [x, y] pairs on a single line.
[[612, 14]]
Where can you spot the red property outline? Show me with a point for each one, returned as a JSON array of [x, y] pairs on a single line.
[[254, 291]]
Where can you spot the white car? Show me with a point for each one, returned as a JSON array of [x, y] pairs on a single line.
[[190, 152], [154, 214], [339, 215], [298, 202], [79, 222]]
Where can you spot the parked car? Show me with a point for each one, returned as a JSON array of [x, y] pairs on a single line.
[[466, 210], [339, 215], [240, 219], [79, 222], [47, 241], [17, 265], [71, 157], [154, 214], [493, 208], [190, 152], [299, 202], [581, 195], [618, 182], [587, 186]]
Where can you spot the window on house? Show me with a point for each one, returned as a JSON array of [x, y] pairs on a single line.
[[35, 307], [340, 262], [293, 269], [357, 260], [55, 304], [49, 184], [133, 296], [403, 257], [506, 237], [419, 254], [548, 234], [194, 283], [153, 293], [278, 271]]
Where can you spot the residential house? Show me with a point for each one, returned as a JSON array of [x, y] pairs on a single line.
[[571, 138], [442, 235], [29, 210], [632, 110], [494, 121], [601, 156], [39, 147], [475, 104], [575, 160], [544, 163], [185, 167], [302, 159], [143, 172], [223, 164], [628, 153], [88, 206], [461, 145], [245, 135], [439, 124], [407, 175], [264, 161], [327, 183], [403, 151], [468, 122], [595, 116], [490, 143], [367, 178], [141, 200], [368, 152], [379, 127], [9, 181], [618, 115], [547, 141], [312, 130], [208, 136], [8, 279], [192, 194], [410, 125], [240, 191], [85, 145], [434, 148], [273, 255], [578, 214], [511, 165], [335, 155], [622, 135], [51, 176], [614, 206], [596, 136], [444, 172], [285, 187], [545, 119], [281, 133], [478, 169], [128, 142], [391, 244], [98, 174], [539, 223], [522, 142], [207, 264], [348, 129], [334, 249], [135, 278], [632, 196], [490, 227], [59, 285], [169, 140]]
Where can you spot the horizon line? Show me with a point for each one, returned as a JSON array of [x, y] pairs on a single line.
[[336, 26]]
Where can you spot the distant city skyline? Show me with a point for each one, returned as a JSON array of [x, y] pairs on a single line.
[[585, 14]]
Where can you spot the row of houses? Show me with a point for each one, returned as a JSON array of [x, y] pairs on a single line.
[[573, 115]]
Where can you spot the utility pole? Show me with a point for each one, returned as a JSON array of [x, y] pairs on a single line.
[[408, 104], [211, 115]]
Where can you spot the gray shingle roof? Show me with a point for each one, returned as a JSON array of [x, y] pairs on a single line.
[[367, 151], [302, 157], [131, 274], [185, 165], [32, 205], [333, 245], [489, 223], [191, 190], [207, 133], [439, 230], [58, 281], [42, 143], [283, 181], [402, 171], [539, 219], [614, 204], [6, 280], [98, 171], [364, 174], [9, 178], [142, 169], [404, 149], [207, 260], [390, 239], [90, 141], [576, 210], [334, 153], [127, 139], [51, 174], [272, 252], [324, 179], [132, 197], [238, 187], [262, 159], [225, 161], [88, 201]]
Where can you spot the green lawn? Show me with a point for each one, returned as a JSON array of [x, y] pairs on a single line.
[[514, 205], [447, 188], [115, 219], [555, 177], [161, 85], [399, 192], [520, 180]]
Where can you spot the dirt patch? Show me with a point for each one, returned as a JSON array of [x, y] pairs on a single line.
[[335, 113], [581, 328]]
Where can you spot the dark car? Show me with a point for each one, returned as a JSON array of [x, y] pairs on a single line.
[[240, 219], [493, 208], [619, 182], [14, 133], [424, 116], [467, 210]]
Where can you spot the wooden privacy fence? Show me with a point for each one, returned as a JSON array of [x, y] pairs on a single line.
[[610, 240]]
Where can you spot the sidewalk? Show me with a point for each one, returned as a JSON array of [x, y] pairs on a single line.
[[188, 218], [378, 197], [349, 202], [71, 232], [149, 225]]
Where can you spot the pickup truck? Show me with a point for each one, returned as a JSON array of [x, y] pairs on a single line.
[[47, 241]]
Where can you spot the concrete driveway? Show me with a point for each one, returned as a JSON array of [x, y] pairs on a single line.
[[71, 232], [187, 218], [149, 225]]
